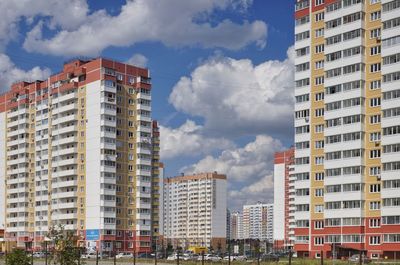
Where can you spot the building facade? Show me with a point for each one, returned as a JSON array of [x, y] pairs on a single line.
[[195, 211], [347, 127], [258, 221], [81, 150], [283, 193], [236, 223]]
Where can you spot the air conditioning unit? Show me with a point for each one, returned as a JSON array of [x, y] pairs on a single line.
[[376, 144], [378, 177], [378, 39]]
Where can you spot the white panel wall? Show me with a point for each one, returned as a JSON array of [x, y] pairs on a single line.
[[279, 202], [2, 167], [219, 213], [93, 117]]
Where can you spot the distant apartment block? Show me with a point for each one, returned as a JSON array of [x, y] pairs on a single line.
[[283, 220], [236, 223], [347, 127], [258, 221], [194, 209], [80, 150]]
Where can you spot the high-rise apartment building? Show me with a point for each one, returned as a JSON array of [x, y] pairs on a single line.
[[195, 210], [347, 127], [283, 197], [258, 221], [80, 150], [236, 223]]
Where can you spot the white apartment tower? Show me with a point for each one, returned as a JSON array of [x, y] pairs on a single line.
[[258, 221], [195, 210]]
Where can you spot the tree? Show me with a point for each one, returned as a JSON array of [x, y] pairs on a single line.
[[63, 242], [18, 257]]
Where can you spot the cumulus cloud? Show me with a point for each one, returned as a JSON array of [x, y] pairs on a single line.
[[138, 60], [236, 97], [188, 140], [65, 14], [249, 170], [9, 73], [174, 23]]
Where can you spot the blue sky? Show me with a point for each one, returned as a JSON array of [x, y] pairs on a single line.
[[222, 73]]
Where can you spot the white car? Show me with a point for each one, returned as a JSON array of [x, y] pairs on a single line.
[[89, 256], [210, 257], [124, 255], [172, 257]]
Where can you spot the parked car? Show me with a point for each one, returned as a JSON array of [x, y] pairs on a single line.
[[210, 257], [172, 257], [269, 257], [356, 258], [91, 255], [123, 255], [145, 256], [38, 255]]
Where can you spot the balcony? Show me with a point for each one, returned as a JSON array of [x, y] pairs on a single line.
[[66, 194], [66, 140], [65, 108], [64, 184], [64, 173], [64, 216]]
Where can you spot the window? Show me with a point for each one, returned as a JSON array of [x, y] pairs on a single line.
[[375, 188], [319, 160], [375, 15], [302, 67], [319, 16], [388, 24], [302, 98], [319, 144], [374, 1], [392, 59], [319, 2], [319, 176], [319, 128], [333, 23], [374, 119], [318, 241], [375, 205], [376, 153], [302, 20], [303, 51], [319, 112], [374, 240], [319, 96], [319, 80], [375, 136], [376, 84], [375, 33], [375, 50], [319, 64], [376, 67], [375, 102], [319, 48], [302, 36], [319, 208], [319, 32], [374, 171], [390, 6], [319, 224], [319, 192], [375, 222]]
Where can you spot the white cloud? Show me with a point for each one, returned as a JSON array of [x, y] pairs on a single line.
[[9, 73], [249, 167], [236, 97], [138, 60], [65, 14], [174, 23], [187, 140]]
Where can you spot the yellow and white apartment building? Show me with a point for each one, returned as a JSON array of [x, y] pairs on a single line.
[[81, 150], [347, 127]]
